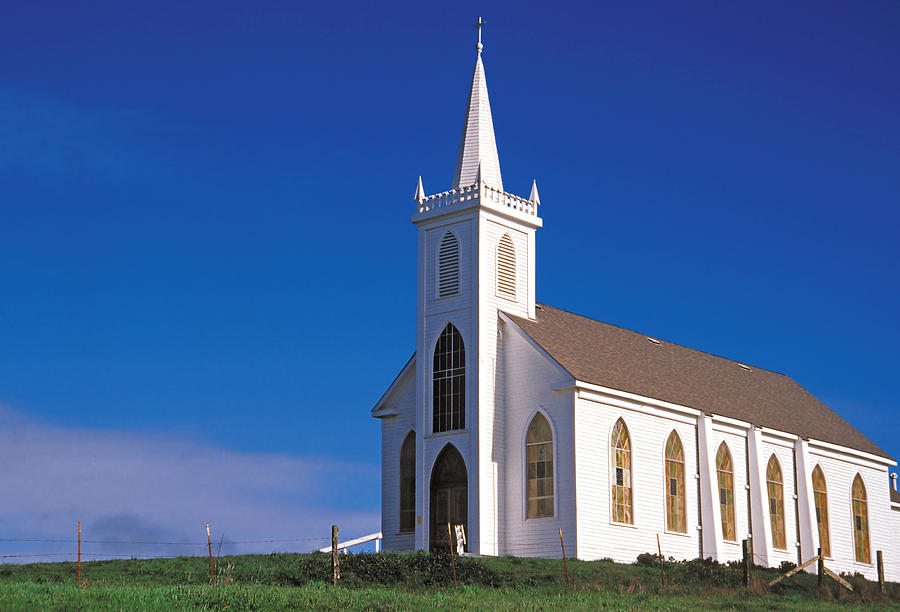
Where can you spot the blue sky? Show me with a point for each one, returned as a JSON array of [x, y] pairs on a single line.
[[204, 214]]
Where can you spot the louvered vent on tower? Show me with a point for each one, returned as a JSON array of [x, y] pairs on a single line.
[[448, 266], [506, 268]]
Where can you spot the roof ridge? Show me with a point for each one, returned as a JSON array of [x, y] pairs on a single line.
[[632, 331]]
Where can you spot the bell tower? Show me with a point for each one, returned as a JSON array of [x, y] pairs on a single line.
[[476, 253]]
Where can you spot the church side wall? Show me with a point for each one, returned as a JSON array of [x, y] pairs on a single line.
[[736, 440], [394, 430], [598, 536], [784, 451], [530, 382], [892, 552], [839, 471]]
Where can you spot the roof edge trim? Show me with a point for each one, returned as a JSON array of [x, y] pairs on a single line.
[[886, 460], [580, 384], [533, 343], [377, 410]]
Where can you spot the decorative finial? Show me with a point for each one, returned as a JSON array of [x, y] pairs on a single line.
[[534, 193], [420, 193], [478, 26]]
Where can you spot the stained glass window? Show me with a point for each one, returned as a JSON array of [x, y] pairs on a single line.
[[775, 484], [820, 495], [408, 483], [449, 381], [620, 443], [725, 472], [539, 468], [675, 505], [860, 520]]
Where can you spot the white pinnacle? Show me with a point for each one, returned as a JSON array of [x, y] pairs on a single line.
[[534, 197], [420, 193], [478, 145]]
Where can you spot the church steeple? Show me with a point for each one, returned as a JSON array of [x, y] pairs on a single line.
[[477, 147]]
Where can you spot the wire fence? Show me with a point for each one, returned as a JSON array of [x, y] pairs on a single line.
[[81, 548], [76, 551]]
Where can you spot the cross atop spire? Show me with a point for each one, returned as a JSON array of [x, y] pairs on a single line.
[[477, 147], [478, 25]]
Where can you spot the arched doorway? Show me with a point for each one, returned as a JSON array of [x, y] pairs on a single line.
[[449, 496]]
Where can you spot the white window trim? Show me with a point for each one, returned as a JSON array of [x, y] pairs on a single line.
[[666, 484], [524, 450], [612, 475], [853, 524]]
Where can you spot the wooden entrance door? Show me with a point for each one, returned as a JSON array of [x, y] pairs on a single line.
[[449, 497]]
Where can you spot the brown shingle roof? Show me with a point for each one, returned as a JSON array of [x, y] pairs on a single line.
[[895, 496], [610, 356]]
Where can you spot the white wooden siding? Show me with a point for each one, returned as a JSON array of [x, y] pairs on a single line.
[[736, 440], [491, 443], [784, 450], [529, 383], [839, 476], [597, 536], [892, 549], [394, 430]]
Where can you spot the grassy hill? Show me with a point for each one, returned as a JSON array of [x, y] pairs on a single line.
[[413, 581]]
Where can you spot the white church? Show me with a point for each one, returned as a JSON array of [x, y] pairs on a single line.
[[516, 419]]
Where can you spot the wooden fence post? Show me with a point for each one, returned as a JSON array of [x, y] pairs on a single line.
[[79, 553], [209, 545], [820, 568], [452, 559], [565, 563], [335, 562], [880, 557], [745, 545], [662, 570]]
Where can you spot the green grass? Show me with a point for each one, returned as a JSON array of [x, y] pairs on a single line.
[[413, 581]]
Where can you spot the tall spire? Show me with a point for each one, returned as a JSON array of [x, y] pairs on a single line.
[[478, 146]]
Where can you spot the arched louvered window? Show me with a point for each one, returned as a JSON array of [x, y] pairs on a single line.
[[408, 483], [820, 496], [675, 504], [775, 484], [620, 445], [448, 391], [539, 468], [725, 472], [448, 266], [860, 520], [506, 268]]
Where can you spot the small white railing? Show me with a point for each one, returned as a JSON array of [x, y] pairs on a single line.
[[472, 192], [376, 537]]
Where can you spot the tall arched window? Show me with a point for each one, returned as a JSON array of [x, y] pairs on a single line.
[[448, 391], [725, 473], [775, 484], [408, 483], [448, 266], [860, 520], [506, 268], [820, 496], [620, 443], [539, 468], [675, 506]]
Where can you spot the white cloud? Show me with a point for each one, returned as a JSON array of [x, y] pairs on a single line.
[[151, 487]]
